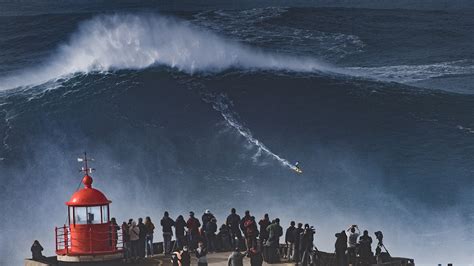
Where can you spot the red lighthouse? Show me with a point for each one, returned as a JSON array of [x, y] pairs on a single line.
[[89, 235]]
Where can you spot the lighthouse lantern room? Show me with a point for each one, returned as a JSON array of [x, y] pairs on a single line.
[[89, 234]]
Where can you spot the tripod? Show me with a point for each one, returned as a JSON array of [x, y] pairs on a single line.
[[380, 245]]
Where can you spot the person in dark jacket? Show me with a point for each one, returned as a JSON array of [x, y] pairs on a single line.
[[193, 225], [365, 249], [264, 223], [113, 233], [244, 219], [206, 217], [126, 241], [142, 238], [297, 237], [236, 258], [150, 229], [256, 258], [167, 228], [233, 222], [306, 245], [180, 228], [341, 247], [211, 229], [37, 251], [225, 243], [290, 241]]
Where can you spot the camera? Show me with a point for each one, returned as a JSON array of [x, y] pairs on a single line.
[[379, 236]]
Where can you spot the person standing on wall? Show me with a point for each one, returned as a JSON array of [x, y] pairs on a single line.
[[233, 222], [193, 225], [150, 229], [142, 238], [167, 223]]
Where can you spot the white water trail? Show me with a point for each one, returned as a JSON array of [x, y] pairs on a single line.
[[407, 74], [220, 105], [137, 41]]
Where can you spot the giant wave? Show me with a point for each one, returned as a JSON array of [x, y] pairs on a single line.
[[137, 41], [140, 40]]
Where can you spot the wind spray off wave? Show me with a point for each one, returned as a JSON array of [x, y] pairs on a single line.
[[132, 41]]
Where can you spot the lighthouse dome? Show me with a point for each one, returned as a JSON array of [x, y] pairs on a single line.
[[88, 196]]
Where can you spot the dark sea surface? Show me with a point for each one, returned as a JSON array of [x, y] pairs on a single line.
[[208, 106]]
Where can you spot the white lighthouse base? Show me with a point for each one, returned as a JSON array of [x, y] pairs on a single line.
[[90, 258]]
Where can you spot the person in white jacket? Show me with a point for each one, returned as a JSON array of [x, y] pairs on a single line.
[[134, 232]]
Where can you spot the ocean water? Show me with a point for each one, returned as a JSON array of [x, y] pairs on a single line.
[[208, 106]]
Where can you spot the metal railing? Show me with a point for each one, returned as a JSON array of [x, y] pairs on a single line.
[[88, 240]]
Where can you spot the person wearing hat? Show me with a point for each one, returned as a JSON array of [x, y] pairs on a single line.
[[36, 251]]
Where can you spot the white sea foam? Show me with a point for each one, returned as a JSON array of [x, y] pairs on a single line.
[[126, 41], [413, 73]]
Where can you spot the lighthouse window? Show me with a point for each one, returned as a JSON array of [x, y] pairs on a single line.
[[87, 215], [105, 214], [80, 215], [93, 215]]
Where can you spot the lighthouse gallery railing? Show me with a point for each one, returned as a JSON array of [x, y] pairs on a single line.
[[113, 236]]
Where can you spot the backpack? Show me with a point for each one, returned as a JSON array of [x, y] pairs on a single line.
[[249, 227]]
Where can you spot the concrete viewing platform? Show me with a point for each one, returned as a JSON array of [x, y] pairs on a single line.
[[214, 259]]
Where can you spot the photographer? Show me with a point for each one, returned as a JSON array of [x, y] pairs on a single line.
[[381, 256], [352, 242]]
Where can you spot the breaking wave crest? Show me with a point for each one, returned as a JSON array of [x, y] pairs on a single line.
[[131, 41]]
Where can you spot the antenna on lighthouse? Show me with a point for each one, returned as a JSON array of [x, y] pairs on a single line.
[[85, 169]]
